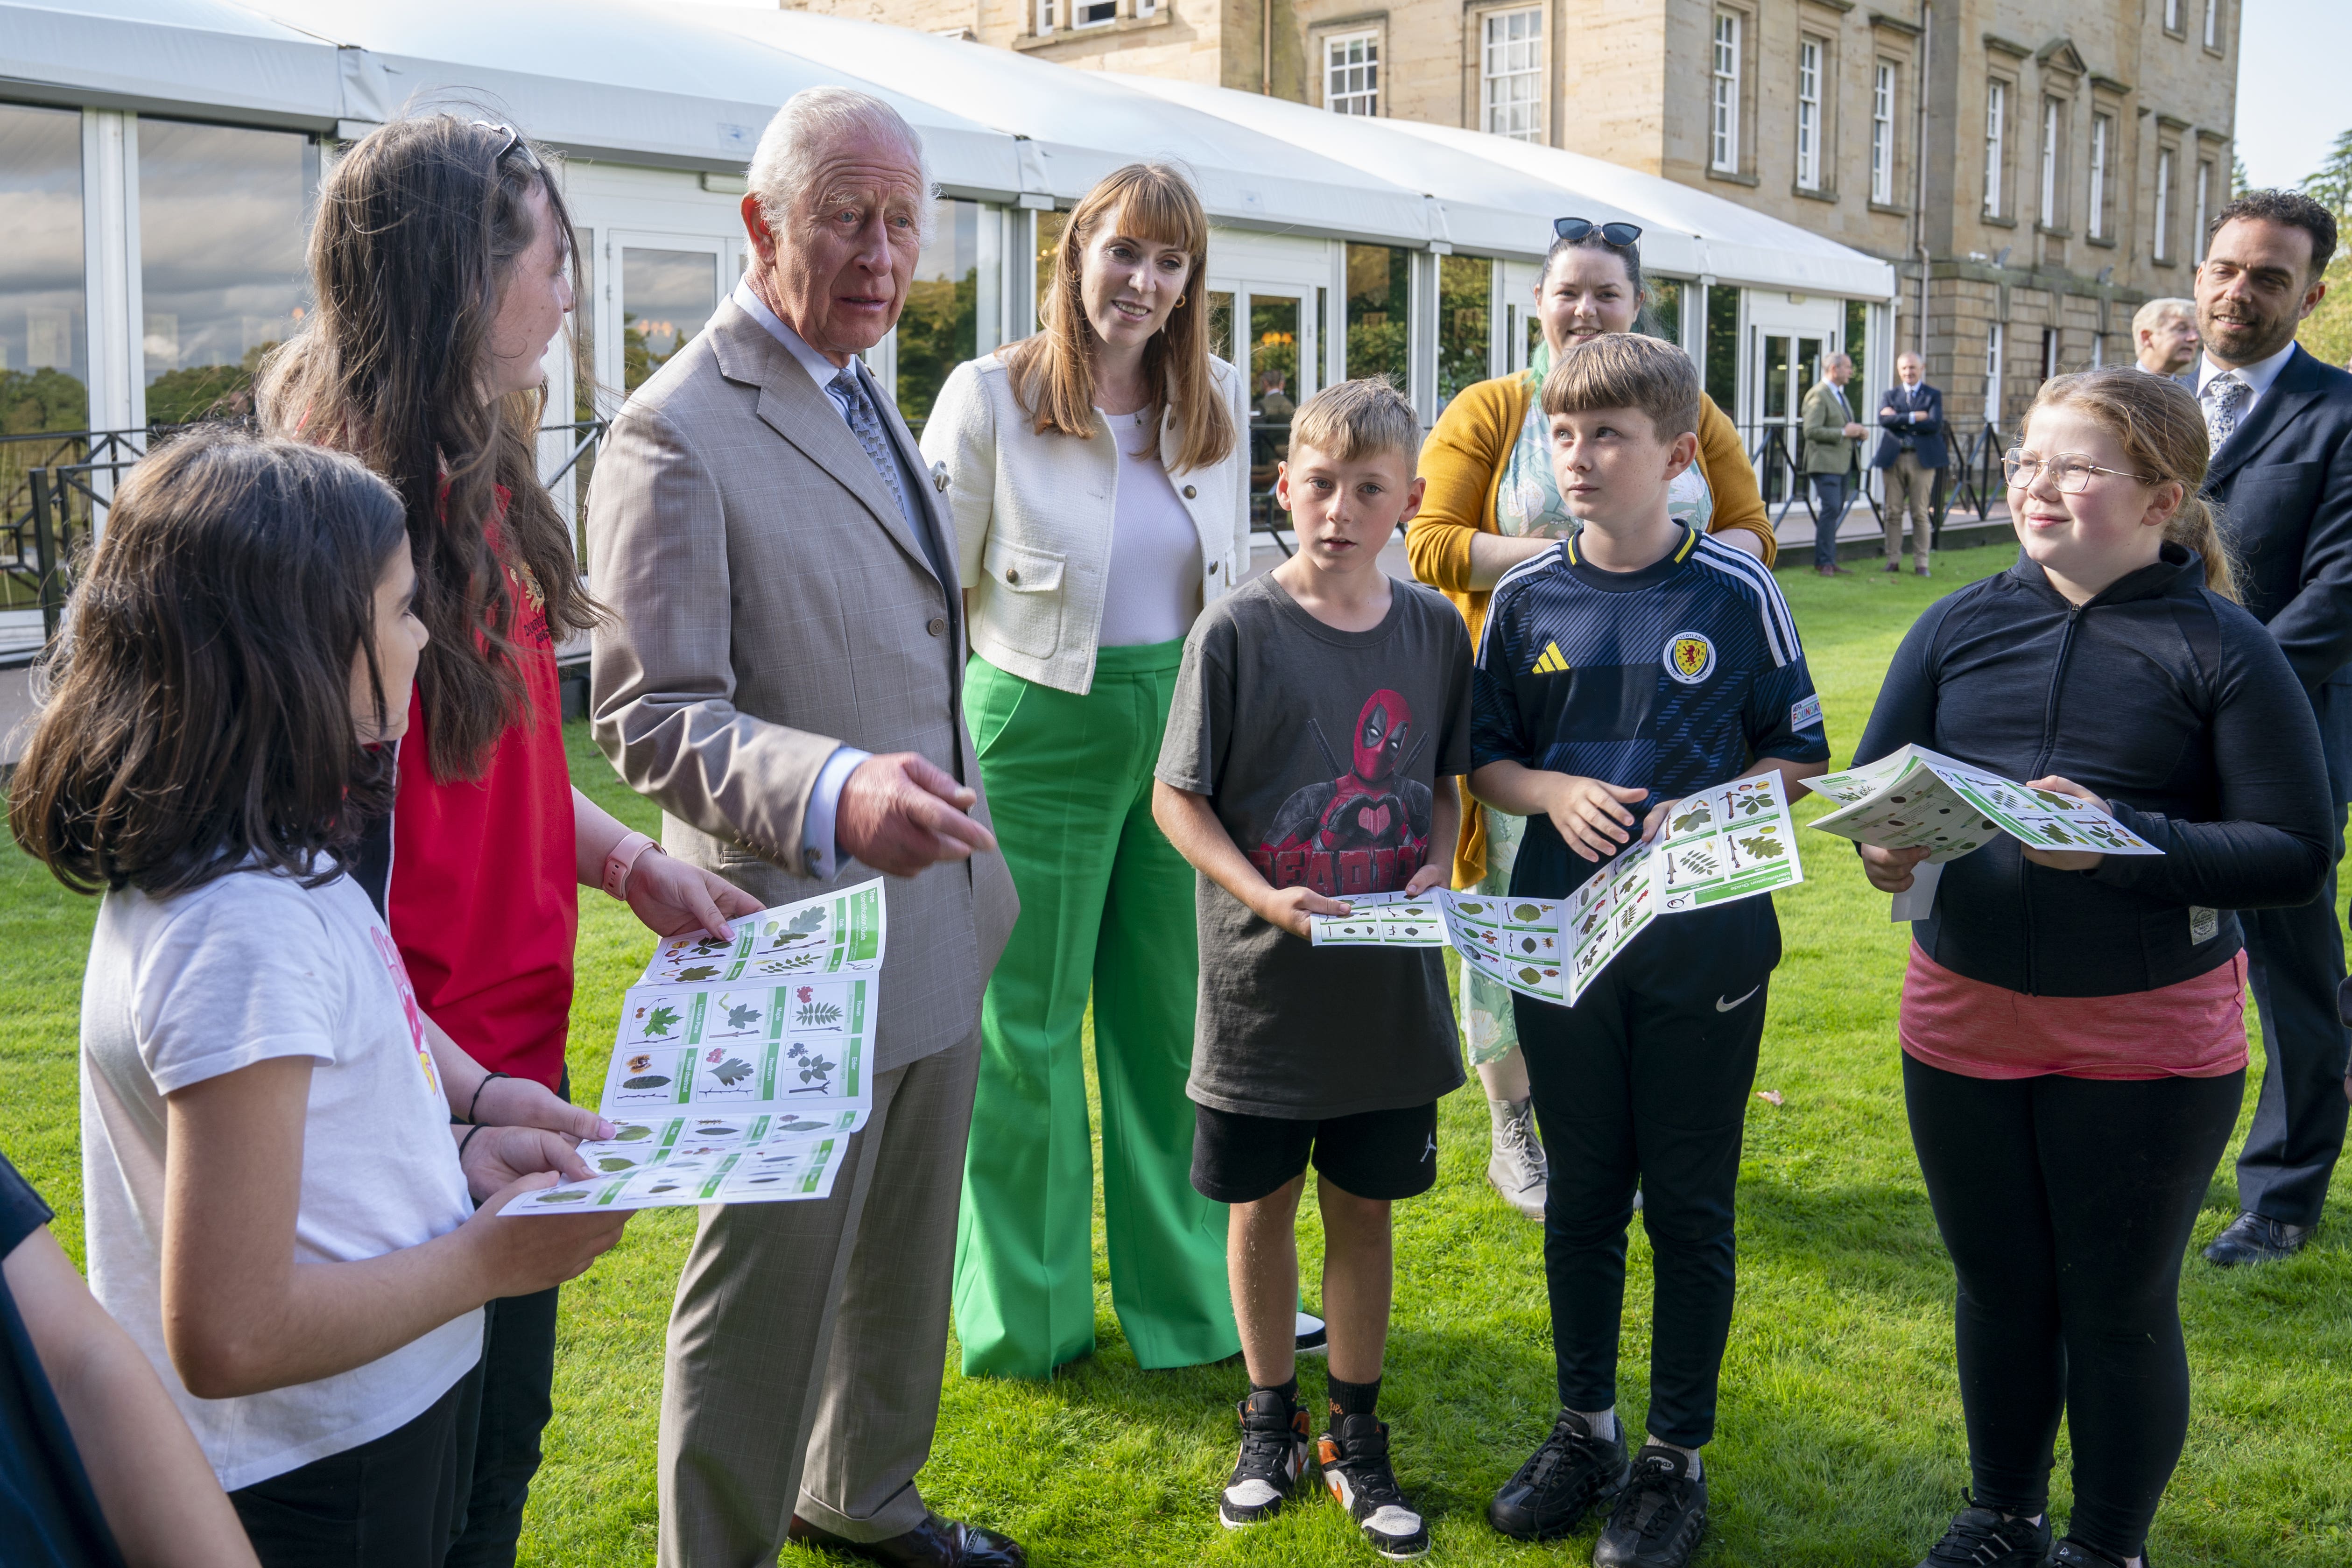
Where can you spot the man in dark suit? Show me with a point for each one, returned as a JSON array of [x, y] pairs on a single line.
[[2281, 424], [1910, 449]]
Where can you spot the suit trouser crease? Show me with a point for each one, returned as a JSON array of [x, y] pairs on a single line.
[[2295, 967], [1909, 492], [808, 1339], [1106, 912], [2066, 1205], [1831, 500], [1646, 1080]]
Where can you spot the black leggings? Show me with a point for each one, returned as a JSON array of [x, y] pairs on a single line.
[[2066, 1203]]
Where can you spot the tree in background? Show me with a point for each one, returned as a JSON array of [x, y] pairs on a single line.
[[2327, 332]]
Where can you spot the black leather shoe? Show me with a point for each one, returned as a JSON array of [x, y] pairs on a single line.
[[2254, 1238], [935, 1544]]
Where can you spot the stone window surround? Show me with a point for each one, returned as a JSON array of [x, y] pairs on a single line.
[[1893, 42], [1745, 175], [1318, 32], [1474, 62]]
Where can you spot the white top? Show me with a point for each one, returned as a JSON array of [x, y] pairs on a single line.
[[247, 968], [1154, 592], [2257, 376], [1036, 517]]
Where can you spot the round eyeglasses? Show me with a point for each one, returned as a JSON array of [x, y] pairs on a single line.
[[2070, 471], [1573, 231]]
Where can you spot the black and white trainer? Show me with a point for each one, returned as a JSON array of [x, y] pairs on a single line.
[[2071, 1553], [1273, 1458], [1659, 1516], [1564, 1477], [1355, 1458], [1981, 1538]]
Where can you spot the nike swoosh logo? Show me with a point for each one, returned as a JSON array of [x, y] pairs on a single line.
[[1723, 1007]]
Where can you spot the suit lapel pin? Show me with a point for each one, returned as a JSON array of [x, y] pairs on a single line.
[[940, 477]]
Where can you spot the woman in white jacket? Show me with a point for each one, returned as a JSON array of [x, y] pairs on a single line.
[[1097, 474]]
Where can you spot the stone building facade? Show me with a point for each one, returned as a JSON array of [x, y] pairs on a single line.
[[2035, 168]]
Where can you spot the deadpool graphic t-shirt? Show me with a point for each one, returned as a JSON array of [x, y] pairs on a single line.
[[1319, 750]]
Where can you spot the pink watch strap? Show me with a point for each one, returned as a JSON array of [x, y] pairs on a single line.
[[623, 859]]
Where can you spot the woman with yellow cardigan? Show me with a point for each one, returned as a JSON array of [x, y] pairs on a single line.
[[1490, 504]]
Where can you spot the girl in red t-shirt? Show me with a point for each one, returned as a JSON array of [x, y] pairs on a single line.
[[442, 263]]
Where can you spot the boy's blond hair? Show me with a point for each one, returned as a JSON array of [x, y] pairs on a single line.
[[1625, 369], [1351, 421]]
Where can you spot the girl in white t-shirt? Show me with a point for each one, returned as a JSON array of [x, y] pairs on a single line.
[[280, 1211]]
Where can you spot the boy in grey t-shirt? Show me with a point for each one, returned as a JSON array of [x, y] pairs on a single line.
[[1319, 722]]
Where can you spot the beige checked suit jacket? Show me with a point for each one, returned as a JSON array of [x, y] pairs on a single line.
[[774, 604]]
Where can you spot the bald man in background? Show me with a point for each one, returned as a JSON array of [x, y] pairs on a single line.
[[2164, 335]]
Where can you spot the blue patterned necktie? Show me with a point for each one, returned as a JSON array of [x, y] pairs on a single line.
[[849, 394], [2224, 397]]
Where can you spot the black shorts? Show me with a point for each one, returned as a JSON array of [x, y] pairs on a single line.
[[1373, 1154]]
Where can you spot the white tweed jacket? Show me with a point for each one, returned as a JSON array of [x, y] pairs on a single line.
[[1033, 519]]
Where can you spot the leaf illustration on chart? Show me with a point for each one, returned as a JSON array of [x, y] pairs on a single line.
[[1527, 912], [1699, 816], [615, 1162], [632, 1133], [805, 993], [1749, 805], [661, 1020], [700, 972], [817, 1015], [815, 1069], [795, 1124], [733, 1070], [742, 1017], [1764, 846], [800, 928], [565, 1198], [645, 1081]]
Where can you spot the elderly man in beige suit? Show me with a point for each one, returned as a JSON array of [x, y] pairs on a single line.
[[785, 679]]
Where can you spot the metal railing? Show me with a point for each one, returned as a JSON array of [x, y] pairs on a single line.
[[1773, 451], [55, 486]]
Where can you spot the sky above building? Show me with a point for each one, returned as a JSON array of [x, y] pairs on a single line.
[[2292, 98]]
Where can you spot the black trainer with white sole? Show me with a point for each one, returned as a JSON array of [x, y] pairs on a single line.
[[1562, 1481], [1313, 1339], [2071, 1553], [1355, 1458], [1981, 1538], [1659, 1516], [1273, 1458]]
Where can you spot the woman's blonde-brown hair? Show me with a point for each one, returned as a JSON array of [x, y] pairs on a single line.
[[2162, 433], [1053, 371]]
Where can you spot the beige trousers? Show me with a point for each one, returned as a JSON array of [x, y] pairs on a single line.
[[808, 1339], [1909, 488]]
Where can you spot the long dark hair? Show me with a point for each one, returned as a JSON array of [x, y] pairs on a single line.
[[418, 227], [200, 715]]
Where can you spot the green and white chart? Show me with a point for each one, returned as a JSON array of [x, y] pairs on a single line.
[[1722, 844], [1916, 799], [740, 1067]]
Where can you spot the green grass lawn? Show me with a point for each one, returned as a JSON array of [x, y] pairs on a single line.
[[1840, 1440]]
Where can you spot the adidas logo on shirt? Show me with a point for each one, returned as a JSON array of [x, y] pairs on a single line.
[[1550, 662]]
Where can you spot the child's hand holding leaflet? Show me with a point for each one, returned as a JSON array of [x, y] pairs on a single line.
[[742, 1066], [1919, 798], [1729, 842]]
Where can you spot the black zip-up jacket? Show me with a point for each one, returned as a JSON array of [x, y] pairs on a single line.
[[2166, 700]]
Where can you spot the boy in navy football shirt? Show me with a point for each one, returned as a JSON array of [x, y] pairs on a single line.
[[1633, 665]]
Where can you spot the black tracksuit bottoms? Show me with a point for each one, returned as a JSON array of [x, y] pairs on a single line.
[[2066, 1203], [1646, 1079]]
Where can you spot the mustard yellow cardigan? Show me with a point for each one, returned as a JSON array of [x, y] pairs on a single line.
[[1461, 466]]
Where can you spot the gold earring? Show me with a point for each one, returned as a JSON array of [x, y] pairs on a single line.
[[1180, 301]]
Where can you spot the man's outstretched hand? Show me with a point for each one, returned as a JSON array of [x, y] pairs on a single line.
[[901, 812]]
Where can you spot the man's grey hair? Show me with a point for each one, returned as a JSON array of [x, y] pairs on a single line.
[[1913, 357], [2151, 316], [1839, 358], [795, 143]]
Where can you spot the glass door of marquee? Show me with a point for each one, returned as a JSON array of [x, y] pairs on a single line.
[[1787, 340], [1268, 331], [655, 293]]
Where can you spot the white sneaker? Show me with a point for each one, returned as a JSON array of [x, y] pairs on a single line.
[[1312, 1340], [1517, 1169]]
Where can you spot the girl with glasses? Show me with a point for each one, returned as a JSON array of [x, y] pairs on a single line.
[[1492, 503], [2072, 1026]]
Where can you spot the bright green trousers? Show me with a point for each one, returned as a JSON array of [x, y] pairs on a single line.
[[1105, 909]]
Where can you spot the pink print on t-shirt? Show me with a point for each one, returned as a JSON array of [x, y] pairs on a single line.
[[399, 973]]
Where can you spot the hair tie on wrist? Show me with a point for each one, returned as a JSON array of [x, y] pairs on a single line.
[[477, 1100], [464, 1141]]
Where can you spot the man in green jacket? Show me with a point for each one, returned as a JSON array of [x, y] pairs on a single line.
[[1829, 434]]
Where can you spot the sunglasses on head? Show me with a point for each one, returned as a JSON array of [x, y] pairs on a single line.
[[514, 142], [1574, 230]]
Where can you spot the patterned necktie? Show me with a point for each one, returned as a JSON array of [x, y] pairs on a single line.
[[2224, 397], [849, 394]]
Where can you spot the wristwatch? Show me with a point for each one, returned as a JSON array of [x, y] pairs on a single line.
[[623, 858]]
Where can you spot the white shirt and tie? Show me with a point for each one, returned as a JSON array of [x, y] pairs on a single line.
[[2228, 396], [851, 396]]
